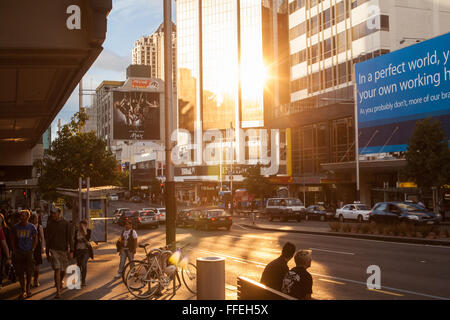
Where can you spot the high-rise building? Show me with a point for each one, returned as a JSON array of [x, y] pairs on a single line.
[[232, 62], [233, 69], [327, 38], [149, 50]]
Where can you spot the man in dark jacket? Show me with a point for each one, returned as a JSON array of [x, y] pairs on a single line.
[[59, 247], [275, 271]]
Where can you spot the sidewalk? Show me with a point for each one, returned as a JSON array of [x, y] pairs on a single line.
[[101, 284], [315, 228]]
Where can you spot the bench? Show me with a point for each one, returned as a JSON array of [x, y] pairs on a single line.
[[248, 289]]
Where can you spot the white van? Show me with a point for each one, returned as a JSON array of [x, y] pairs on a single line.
[[285, 209]]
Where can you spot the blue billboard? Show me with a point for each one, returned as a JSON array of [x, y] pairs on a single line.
[[396, 90]]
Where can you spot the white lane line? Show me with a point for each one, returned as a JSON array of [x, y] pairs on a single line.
[[262, 265], [339, 252], [331, 281], [238, 225]]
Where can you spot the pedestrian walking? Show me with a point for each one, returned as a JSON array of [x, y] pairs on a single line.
[[275, 271], [37, 254], [24, 240], [127, 244], [59, 247], [298, 281], [83, 249], [5, 253]]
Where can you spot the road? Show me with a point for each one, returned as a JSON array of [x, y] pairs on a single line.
[[339, 267]]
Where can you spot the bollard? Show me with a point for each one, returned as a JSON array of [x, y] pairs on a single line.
[[211, 278]]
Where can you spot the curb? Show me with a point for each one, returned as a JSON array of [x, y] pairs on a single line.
[[360, 236]]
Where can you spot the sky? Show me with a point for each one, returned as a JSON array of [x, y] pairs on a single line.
[[127, 22]]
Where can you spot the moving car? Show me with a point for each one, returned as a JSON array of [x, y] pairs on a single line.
[[161, 212], [285, 209], [213, 219], [146, 218], [113, 197], [117, 213], [186, 217], [127, 215], [355, 211], [397, 212], [318, 211]]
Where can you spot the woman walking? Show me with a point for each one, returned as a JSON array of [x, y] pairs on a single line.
[[82, 248], [40, 247]]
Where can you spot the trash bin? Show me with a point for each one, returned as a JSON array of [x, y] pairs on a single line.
[[211, 278]]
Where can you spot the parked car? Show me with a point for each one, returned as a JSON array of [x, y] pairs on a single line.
[[117, 213], [285, 209], [319, 212], [397, 212], [136, 199], [213, 219], [186, 217], [146, 218], [113, 197], [354, 211]]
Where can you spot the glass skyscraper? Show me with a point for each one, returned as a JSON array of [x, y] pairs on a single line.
[[233, 62]]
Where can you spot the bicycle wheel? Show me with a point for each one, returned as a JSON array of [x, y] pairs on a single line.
[[189, 275], [126, 269], [142, 280]]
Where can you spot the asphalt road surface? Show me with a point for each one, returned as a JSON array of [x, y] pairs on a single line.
[[339, 266]]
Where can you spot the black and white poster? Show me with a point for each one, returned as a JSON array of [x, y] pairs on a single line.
[[136, 115]]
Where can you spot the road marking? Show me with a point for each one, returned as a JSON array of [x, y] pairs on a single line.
[[241, 226], [387, 292], [331, 281], [262, 265], [339, 252]]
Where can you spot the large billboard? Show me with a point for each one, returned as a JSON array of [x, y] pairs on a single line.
[[396, 90], [136, 115]]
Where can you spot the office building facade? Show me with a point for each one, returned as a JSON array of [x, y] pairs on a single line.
[[327, 38]]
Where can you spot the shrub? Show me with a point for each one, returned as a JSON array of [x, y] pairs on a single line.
[[358, 227], [447, 232], [365, 228], [396, 230], [380, 228], [404, 229], [373, 228], [425, 230], [347, 227], [335, 226]]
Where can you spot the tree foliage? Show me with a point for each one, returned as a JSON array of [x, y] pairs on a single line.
[[256, 183], [428, 156], [75, 154]]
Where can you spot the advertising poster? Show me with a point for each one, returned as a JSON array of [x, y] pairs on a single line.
[[396, 90], [136, 115]]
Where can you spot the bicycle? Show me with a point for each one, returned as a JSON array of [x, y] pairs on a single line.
[[159, 271]]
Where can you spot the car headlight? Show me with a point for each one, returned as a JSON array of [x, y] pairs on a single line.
[[412, 217]]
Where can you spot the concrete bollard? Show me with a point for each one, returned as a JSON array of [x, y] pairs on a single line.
[[211, 278]]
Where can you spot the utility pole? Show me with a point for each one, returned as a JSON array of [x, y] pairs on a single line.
[[169, 190]]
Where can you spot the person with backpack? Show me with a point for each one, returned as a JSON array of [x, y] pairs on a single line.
[[298, 281], [126, 246], [83, 249], [275, 271]]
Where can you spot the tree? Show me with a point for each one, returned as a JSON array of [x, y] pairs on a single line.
[[256, 183], [428, 156], [75, 154]]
